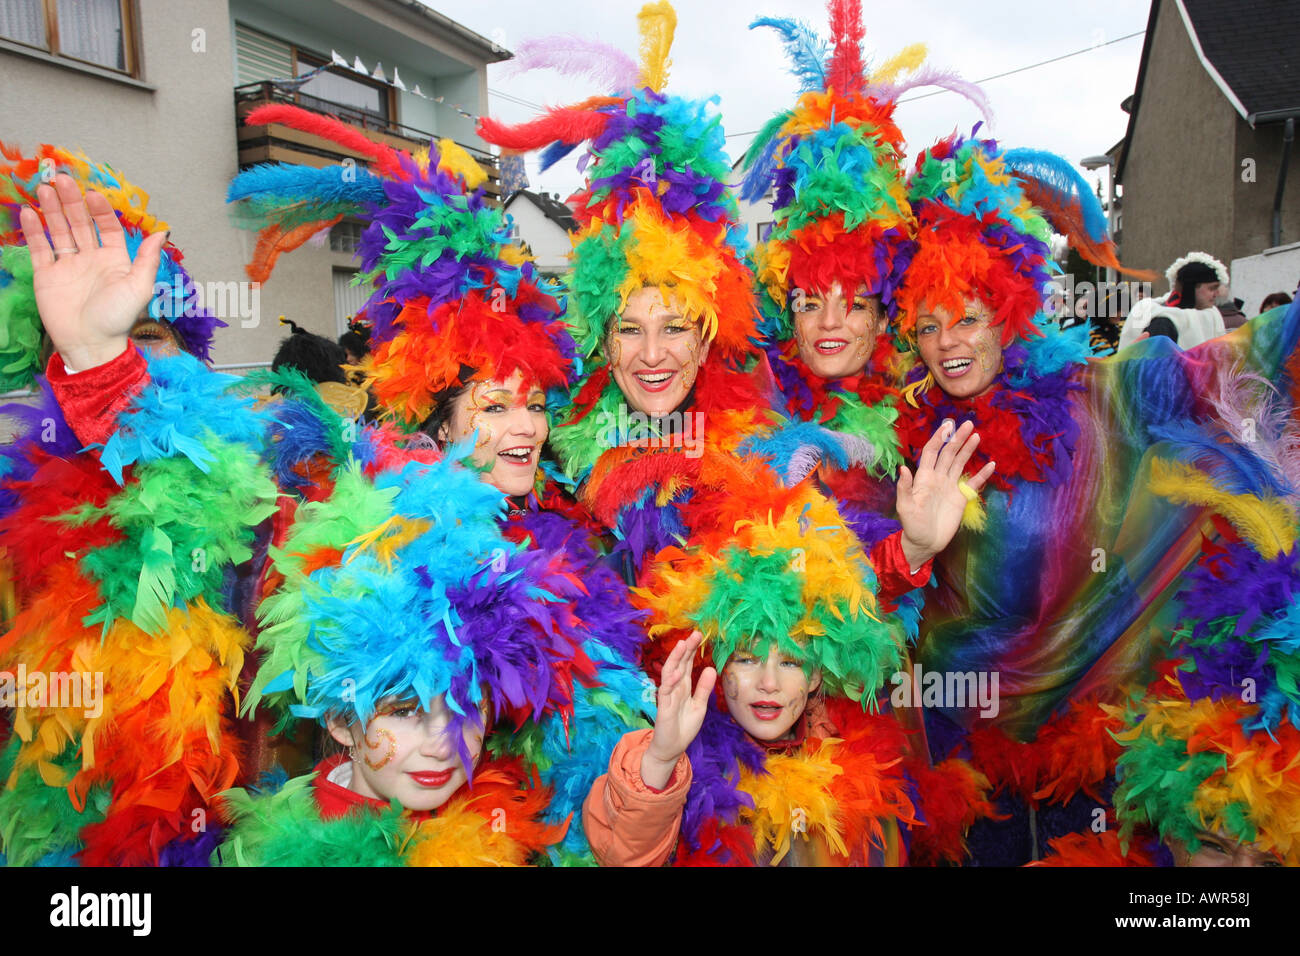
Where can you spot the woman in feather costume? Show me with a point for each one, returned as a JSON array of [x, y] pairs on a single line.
[[1059, 582], [789, 763], [412, 628], [468, 343], [125, 558], [662, 307]]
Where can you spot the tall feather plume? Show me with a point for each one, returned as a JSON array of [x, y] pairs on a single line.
[[760, 159], [886, 89], [305, 121], [657, 23], [609, 67], [805, 49], [844, 71], [1243, 397], [908, 59], [1057, 188]]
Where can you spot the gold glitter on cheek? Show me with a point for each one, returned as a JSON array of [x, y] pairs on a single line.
[[477, 405], [691, 367], [392, 747], [730, 686]]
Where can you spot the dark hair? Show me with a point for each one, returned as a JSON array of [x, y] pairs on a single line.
[[315, 356], [1162, 325], [1273, 300], [356, 343], [443, 404], [1188, 278]]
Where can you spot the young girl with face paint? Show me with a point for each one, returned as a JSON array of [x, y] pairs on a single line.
[[783, 759], [1060, 576], [412, 629]]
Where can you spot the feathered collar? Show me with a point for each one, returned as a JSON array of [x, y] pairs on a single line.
[[1024, 420]]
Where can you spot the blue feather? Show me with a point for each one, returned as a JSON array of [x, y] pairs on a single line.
[[1058, 175], [806, 50]]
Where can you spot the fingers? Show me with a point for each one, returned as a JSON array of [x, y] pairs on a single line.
[[55, 221], [74, 209], [704, 687], [963, 454], [144, 270], [944, 463], [34, 234], [106, 221], [982, 476], [904, 485], [931, 450]]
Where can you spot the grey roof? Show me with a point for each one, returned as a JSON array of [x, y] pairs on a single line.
[[1255, 47], [552, 209]]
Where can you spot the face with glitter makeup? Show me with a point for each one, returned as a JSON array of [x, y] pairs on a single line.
[[836, 334], [510, 418], [767, 695], [410, 755], [1219, 849], [654, 353], [964, 356]]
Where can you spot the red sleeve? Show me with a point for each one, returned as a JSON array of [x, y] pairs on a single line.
[[91, 400], [893, 576]]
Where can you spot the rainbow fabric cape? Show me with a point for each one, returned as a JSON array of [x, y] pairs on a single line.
[[1065, 591]]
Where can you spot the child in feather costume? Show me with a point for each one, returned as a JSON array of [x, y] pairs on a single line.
[[784, 765], [1060, 580], [412, 628], [468, 344]]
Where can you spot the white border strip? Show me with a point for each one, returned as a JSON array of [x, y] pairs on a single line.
[[1209, 67]]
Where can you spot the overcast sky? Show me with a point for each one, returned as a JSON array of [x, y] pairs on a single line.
[[1070, 107]]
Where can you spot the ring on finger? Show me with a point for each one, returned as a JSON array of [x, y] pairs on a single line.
[[66, 250]]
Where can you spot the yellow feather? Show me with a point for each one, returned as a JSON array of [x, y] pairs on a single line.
[[657, 22], [1267, 523], [460, 837], [906, 59], [793, 797], [456, 161]]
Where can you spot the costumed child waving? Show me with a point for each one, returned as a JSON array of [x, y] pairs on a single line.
[[786, 764]]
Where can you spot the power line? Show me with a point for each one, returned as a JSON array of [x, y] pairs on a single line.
[[998, 76], [1032, 66]]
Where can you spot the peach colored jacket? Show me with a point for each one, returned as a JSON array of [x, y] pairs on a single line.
[[627, 823]]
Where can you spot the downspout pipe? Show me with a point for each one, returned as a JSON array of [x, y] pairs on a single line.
[[1288, 137]]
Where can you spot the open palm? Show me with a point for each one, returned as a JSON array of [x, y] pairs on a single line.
[[88, 291], [930, 503]]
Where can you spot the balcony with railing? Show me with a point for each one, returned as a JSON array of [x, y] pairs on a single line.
[[276, 143]]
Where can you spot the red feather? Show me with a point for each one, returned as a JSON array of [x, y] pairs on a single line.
[[565, 124], [844, 74], [327, 127]]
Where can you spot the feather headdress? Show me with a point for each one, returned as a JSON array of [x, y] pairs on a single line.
[[177, 301], [778, 568], [655, 213], [835, 162], [984, 219], [402, 586], [455, 300]]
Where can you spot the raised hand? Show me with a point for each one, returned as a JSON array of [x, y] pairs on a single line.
[[88, 291], [680, 712], [930, 504]]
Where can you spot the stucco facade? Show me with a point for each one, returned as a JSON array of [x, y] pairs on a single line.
[[173, 131]]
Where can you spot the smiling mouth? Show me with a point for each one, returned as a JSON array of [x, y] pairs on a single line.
[[432, 779], [954, 368], [655, 381], [766, 710], [831, 346], [520, 455]]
